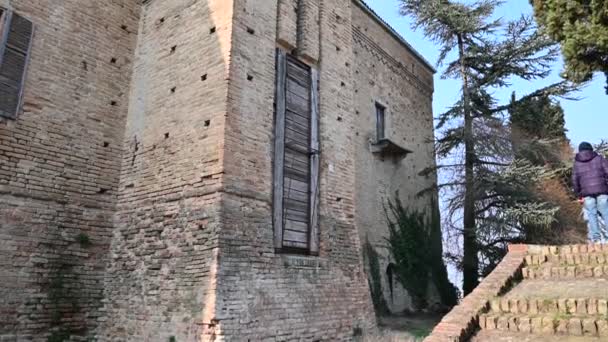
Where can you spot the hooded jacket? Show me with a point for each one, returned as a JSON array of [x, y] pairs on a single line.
[[589, 176]]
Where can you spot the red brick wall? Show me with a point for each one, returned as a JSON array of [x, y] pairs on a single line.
[[59, 165], [388, 73], [149, 129], [160, 282], [261, 294]]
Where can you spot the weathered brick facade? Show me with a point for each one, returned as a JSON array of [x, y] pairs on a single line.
[[386, 72], [136, 186], [160, 279], [59, 165]]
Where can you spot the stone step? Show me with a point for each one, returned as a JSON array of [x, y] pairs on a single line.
[[578, 259], [551, 271], [509, 336], [575, 249], [592, 326], [594, 257], [542, 254], [566, 306], [560, 288]]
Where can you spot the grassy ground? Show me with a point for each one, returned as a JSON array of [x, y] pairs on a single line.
[[417, 326]]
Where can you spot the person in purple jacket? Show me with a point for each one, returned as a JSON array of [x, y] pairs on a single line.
[[589, 179]]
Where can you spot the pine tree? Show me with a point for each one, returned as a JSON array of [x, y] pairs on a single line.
[[581, 27], [538, 118], [488, 53], [539, 137]]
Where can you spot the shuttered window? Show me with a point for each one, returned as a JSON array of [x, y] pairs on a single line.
[[15, 44], [296, 162]]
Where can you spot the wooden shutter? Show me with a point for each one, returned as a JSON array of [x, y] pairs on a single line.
[[279, 149], [314, 164], [296, 156], [14, 55]]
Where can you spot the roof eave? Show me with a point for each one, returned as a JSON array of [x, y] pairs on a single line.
[[394, 33]]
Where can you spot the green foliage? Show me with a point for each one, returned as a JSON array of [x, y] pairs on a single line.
[[84, 240], [475, 139], [538, 117], [172, 339], [408, 236], [538, 137], [602, 148], [420, 332], [417, 256], [581, 27], [439, 273], [443, 21], [510, 205], [375, 280]]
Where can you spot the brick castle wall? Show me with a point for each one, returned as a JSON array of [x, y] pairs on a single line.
[[161, 279], [148, 129], [59, 165], [262, 294], [388, 73]]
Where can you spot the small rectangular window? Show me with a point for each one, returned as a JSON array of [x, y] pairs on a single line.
[[380, 122], [15, 44]]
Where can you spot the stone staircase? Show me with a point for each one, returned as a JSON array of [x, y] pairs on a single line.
[[563, 297]]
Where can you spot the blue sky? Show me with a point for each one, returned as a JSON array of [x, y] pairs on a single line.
[[585, 119]]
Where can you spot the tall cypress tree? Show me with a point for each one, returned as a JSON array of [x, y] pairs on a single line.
[[487, 54]]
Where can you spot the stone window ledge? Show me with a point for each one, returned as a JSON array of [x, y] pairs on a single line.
[[386, 147], [304, 262]]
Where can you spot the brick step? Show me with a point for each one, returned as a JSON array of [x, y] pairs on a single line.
[[567, 306], [543, 254], [592, 326], [568, 258], [578, 259], [575, 249], [551, 271], [509, 336]]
